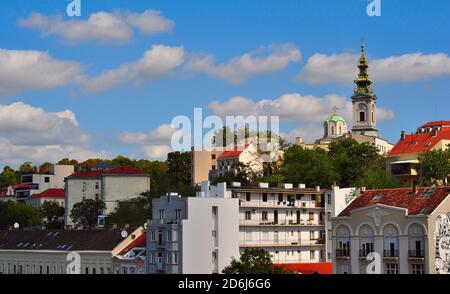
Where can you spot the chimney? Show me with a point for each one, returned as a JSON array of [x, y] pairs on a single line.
[[403, 135]]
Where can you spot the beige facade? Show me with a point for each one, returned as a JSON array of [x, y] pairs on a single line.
[[203, 160]]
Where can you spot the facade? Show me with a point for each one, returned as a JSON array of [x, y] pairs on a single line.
[[203, 160], [288, 222], [405, 231], [38, 183], [402, 160], [53, 251], [50, 195], [110, 185], [131, 259], [194, 235]]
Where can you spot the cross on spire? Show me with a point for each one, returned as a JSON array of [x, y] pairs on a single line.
[[334, 109]]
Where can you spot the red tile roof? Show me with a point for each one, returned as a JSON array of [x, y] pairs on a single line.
[[49, 193], [437, 123], [237, 150], [308, 268], [121, 170], [417, 203], [421, 142], [140, 241]]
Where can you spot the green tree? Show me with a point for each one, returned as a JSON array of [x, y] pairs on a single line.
[[253, 261], [8, 177], [132, 212], [24, 215], [67, 161], [179, 167], [27, 168], [121, 161], [86, 212], [434, 167], [377, 179], [44, 168], [52, 213]]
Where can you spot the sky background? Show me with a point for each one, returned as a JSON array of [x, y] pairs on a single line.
[[109, 82]]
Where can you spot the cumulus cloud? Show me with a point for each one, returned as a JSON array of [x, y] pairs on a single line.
[[308, 111], [29, 133], [265, 60], [34, 70], [157, 62], [155, 143], [101, 27], [341, 68]]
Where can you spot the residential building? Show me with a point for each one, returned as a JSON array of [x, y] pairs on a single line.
[[203, 160], [110, 185], [37, 183], [405, 231], [402, 160], [193, 235], [55, 251], [9, 193], [50, 195], [131, 260], [288, 222]]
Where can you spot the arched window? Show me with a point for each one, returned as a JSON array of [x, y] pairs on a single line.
[[343, 242], [366, 240], [332, 130], [362, 108], [390, 241], [416, 241]]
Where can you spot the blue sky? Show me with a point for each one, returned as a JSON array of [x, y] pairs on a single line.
[[412, 86]]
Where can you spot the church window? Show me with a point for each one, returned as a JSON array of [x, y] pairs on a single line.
[[362, 116], [332, 130]]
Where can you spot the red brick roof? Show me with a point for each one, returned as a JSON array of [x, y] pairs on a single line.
[[120, 170], [421, 142], [49, 193], [424, 201], [237, 150]]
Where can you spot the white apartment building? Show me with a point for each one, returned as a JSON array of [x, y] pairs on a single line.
[[110, 185], [38, 183], [194, 235], [53, 251], [407, 230]]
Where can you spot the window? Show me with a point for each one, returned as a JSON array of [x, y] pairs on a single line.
[[169, 235], [417, 269], [280, 197], [312, 254], [392, 269], [264, 197], [97, 185], [311, 216], [311, 235], [264, 215], [362, 116], [248, 215], [248, 196], [329, 200], [47, 179], [152, 235], [213, 156], [175, 258], [213, 167], [178, 213], [86, 270], [169, 258], [102, 271], [94, 271], [161, 214]]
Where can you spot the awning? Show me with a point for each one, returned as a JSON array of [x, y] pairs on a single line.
[[406, 161]]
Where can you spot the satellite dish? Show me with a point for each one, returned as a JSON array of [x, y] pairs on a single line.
[[124, 234], [16, 226]]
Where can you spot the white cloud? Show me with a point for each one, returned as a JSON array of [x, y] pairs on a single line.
[[265, 60], [101, 27], [341, 68], [308, 111], [34, 70], [28, 133], [156, 63], [155, 144]]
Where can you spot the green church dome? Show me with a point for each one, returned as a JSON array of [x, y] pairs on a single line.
[[335, 118]]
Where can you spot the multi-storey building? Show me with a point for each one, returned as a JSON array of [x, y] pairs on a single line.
[[395, 231], [110, 185], [402, 160], [38, 183], [194, 235], [287, 222], [56, 251], [203, 160]]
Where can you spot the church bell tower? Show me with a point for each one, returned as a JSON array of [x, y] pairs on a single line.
[[364, 101]]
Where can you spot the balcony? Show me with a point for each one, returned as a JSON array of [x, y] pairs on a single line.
[[416, 254], [390, 254], [254, 223], [279, 204], [342, 253], [364, 252], [284, 243]]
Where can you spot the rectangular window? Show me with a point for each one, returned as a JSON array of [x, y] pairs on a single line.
[[312, 254], [311, 216], [213, 167], [175, 258], [169, 235], [213, 156], [248, 196], [392, 269], [97, 185], [264, 197], [178, 213], [248, 215], [152, 235], [264, 215], [311, 235], [47, 179], [280, 197], [329, 200], [161, 214], [417, 269]]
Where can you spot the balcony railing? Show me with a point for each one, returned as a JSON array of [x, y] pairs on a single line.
[[342, 252], [364, 252], [416, 253], [390, 253]]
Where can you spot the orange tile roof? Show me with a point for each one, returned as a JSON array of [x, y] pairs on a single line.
[[49, 193], [121, 170], [237, 150]]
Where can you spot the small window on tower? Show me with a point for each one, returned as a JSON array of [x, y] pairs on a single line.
[[362, 116]]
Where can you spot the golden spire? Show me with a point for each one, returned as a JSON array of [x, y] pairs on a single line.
[[363, 81]]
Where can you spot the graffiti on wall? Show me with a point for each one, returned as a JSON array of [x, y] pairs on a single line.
[[442, 242]]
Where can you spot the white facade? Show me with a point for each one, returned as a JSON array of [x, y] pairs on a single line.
[[108, 187], [195, 235]]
